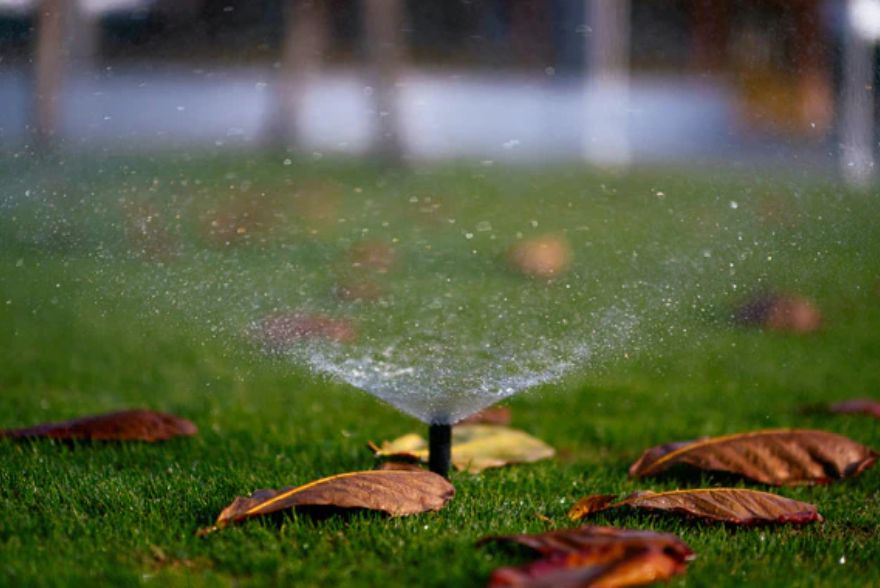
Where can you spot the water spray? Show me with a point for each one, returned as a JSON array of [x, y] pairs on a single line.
[[439, 448]]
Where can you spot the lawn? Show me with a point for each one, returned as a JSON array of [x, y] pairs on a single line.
[[132, 281]]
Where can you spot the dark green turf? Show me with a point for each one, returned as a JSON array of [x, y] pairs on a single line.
[[86, 328]]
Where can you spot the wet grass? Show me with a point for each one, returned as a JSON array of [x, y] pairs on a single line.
[[84, 330]]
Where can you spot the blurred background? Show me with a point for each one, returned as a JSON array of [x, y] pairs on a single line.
[[607, 82]]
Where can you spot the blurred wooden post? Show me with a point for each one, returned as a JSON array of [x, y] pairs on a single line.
[[303, 46], [710, 24], [857, 105], [49, 64], [815, 93], [83, 35], [606, 141], [383, 24]]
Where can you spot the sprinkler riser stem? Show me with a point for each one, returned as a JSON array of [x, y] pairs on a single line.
[[440, 449]]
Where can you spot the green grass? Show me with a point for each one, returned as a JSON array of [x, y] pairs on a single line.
[[91, 323]]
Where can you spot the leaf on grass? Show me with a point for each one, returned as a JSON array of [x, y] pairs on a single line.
[[281, 330], [127, 425], [595, 556], [737, 506], [474, 447], [865, 406], [494, 415], [405, 466], [782, 312], [394, 492], [782, 457]]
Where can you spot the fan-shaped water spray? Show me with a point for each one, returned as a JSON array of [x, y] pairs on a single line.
[[442, 377], [439, 305]]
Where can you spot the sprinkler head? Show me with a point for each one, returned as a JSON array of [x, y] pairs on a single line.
[[440, 449]]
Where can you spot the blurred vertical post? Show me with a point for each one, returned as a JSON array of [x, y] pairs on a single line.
[[814, 90], [857, 100], [606, 140], [53, 25], [302, 49], [83, 34], [383, 24], [710, 20]]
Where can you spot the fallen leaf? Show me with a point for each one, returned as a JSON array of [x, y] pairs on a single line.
[[474, 447], [395, 492], [595, 556], [633, 566], [590, 538], [406, 466], [790, 313], [127, 425], [865, 406], [494, 415], [286, 328], [781, 457], [737, 506], [541, 257]]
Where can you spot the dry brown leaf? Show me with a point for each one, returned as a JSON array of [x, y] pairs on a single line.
[[286, 328], [544, 257], [865, 406], [127, 425], [395, 492], [782, 457], [737, 506], [474, 447], [790, 313], [595, 556], [494, 415]]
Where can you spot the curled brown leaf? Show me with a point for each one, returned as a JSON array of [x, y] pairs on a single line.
[[544, 257], [283, 329], [395, 492], [736, 506], [789, 313], [127, 425], [864, 406], [782, 457], [595, 556]]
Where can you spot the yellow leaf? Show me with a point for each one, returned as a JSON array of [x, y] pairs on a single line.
[[475, 447]]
